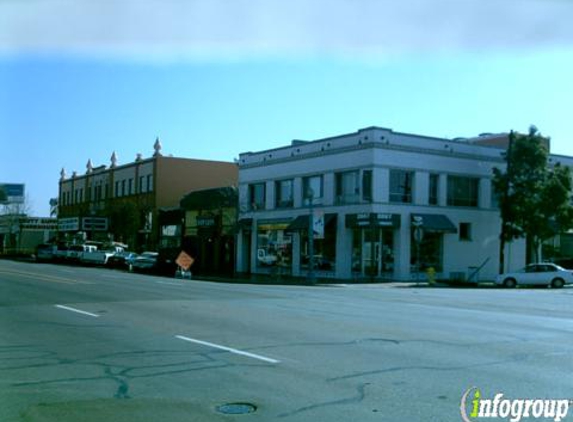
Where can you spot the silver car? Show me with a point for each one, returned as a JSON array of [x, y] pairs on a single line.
[[543, 274]]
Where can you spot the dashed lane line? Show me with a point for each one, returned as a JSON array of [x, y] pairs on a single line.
[[228, 349]]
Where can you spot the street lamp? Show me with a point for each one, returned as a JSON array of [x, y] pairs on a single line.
[[310, 197]]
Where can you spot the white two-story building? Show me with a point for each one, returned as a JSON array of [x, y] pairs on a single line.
[[385, 205]]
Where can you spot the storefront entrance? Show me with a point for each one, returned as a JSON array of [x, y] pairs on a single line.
[[373, 252]]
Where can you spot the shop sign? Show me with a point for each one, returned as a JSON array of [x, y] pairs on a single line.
[[206, 222], [71, 224], [94, 223]]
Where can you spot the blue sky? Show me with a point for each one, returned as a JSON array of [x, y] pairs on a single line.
[[212, 79]]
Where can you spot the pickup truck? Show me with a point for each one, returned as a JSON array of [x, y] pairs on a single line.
[[99, 257]]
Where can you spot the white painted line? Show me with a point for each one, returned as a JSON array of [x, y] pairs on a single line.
[[167, 283], [67, 308], [228, 349]]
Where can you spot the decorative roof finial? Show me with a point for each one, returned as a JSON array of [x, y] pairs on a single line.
[[157, 147], [113, 160], [89, 166], [63, 174], [138, 157]]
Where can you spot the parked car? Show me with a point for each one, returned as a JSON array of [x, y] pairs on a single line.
[[45, 252], [542, 274], [121, 259], [76, 252], [147, 261], [61, 253], [99, 256], [566, 263]]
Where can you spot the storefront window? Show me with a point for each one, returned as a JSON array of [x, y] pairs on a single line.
[[429, 253], [274, 246], [324, 248]]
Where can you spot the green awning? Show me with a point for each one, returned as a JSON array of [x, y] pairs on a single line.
[[302, 221], [435, 222]]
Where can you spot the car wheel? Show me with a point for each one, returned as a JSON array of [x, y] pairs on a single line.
[[509, 283], [557, 283]]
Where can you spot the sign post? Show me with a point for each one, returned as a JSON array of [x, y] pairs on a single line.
[[417, 223], [184, 262]]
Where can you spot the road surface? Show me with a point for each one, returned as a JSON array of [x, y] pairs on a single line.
[[91, 344]]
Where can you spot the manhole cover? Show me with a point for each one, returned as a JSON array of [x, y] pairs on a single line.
[[237, 408]]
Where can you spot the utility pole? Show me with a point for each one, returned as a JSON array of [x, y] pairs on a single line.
[[504, 206], [310, 196]]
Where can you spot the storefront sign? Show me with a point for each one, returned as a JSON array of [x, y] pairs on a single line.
[[372, 220], [71, 224], [206, 222], [94, 223]]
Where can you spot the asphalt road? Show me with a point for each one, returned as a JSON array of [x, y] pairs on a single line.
[[90, 344]]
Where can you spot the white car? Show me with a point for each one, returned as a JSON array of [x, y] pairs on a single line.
[[145, 261], [542, 274]]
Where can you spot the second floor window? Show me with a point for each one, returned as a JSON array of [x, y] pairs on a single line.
[[284, 193], [463, 191], [433, 189], [312, 184], [257, 196], [367, 185], [347, 187], [149, 183], [401, 186]]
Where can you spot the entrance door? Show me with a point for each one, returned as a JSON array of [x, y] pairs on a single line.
[[371, 246], [375, 249]]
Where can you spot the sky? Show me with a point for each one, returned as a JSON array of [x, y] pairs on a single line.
[[80, 79]]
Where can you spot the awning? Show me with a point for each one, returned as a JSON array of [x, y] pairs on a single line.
[[301, 222], [371, 220], [435, 222]]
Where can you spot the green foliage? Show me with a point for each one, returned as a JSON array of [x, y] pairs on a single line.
[[125, 220], [534, 198]]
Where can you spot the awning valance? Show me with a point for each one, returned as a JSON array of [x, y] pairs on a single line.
[[301, 222], [434, 222]]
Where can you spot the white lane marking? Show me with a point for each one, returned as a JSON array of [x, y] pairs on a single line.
[[228, 349], [67, 308], [168, 283]]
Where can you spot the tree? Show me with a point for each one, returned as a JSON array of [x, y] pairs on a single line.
[[534, 198]]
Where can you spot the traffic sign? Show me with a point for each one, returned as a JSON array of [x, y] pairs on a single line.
[[184, 260]]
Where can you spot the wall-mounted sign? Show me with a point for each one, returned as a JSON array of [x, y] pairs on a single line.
[[206, 222], [94, 224], [71, 224]]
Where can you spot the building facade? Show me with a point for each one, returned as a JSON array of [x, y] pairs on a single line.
[[384, 206], [121, 202]]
